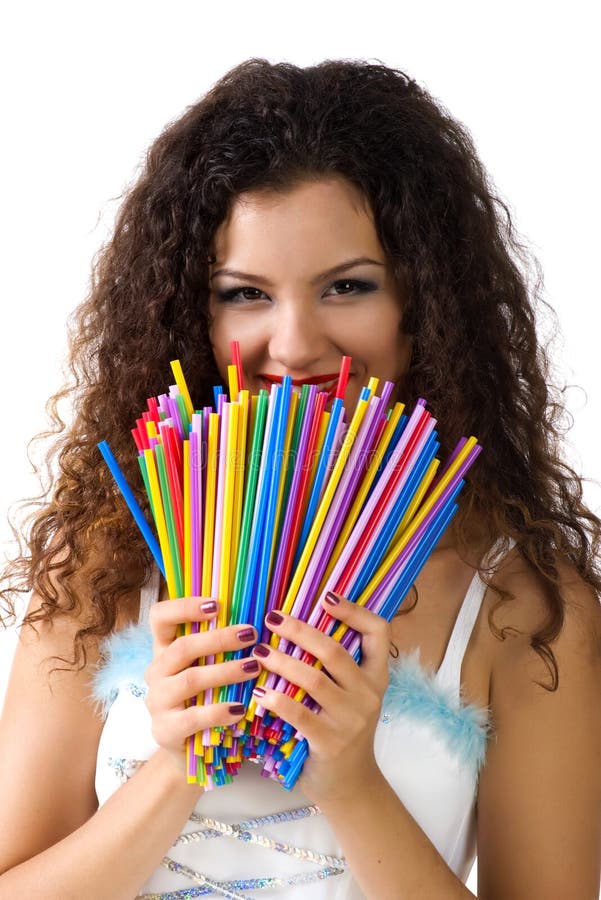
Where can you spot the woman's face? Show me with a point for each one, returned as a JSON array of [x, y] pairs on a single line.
[[300, 279]]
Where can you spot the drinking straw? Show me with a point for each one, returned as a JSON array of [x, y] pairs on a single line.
[[243, 399], [422, 473], [232, 376], [176, 368], [132, 504], [394, 553], [345, 367], [388, 477], [339, 507], [235, 351], [187, 528], [174, 484], [275, 476], [299, 478], [231, 429], [322, 511], [196, 501], [249, 505], [389, 507], [160, 522], [359, 501], [219, 544], [167, 505], [335, 415], [246, 612], [314, 533]]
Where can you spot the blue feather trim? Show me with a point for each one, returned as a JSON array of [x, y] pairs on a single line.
[[412, 693], [415, 693], [125, 657]]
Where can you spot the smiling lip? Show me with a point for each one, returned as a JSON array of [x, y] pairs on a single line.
[[314, 379]]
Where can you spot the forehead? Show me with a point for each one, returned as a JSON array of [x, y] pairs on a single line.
[[321, 216]]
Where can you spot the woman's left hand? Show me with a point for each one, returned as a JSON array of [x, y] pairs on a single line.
[[341, 737]]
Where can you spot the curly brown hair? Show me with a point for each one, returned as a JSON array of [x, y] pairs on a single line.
[[470, 310]]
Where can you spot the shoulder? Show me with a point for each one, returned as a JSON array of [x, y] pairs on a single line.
[[520, 610], [539, 832]]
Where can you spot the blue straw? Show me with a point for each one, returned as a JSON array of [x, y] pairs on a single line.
[[132, 504], [335, 414], [395, 515]]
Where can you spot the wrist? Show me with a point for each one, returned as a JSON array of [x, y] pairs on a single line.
[[349, 792]]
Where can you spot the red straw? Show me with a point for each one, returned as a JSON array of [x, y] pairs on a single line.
[[345, 368], [235, 349], [301, 496], [136, 437], [326, 620]]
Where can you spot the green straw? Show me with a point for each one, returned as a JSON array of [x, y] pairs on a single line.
[[253, 468], [177, 565], [144, 471]]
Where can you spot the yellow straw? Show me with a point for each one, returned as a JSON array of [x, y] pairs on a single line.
[[209, 522], [243, 399], [157, 503], [180, 381], [209, 529], [417, 499], [397, 548], [228, 515], [364, 490], [316, 529], [151, 430], [232, 377], [187, 530]]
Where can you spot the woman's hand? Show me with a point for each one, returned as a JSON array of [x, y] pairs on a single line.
[[173, 676], [341, 737]]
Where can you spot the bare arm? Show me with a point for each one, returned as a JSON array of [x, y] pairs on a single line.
[[55, 842]]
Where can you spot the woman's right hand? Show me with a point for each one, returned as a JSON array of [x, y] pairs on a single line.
[[173, 676]]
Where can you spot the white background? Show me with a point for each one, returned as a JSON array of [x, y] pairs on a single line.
[[86, 87]]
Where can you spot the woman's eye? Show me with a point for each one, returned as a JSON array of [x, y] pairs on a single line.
[[353, 286], [239, 295]]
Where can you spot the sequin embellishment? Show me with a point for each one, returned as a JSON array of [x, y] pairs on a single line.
[[245, 831]]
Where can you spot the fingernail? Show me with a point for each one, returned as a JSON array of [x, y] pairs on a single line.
[[237, 709], [251, 666], [246, 635], [274, 618], [332, 599], [209, 606], [259, 692], [261, 650]]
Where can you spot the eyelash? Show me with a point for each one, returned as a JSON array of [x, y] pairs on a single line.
[[361, 287]]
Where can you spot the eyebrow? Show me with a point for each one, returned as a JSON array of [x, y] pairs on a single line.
[[342, 267]]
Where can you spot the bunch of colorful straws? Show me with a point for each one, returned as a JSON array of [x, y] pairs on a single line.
[[268, 501]]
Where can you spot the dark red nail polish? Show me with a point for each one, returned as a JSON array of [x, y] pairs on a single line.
[[332, 599], [246, 635], [274, 618], [208, 607], [250, 666], [259, 692], [261, 650], [237, 709]]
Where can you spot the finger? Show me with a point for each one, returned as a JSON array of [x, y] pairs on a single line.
[[301, 717], [165, 617], [374, 631], [184, 652], [310, 678], [177, 689], [172, 728], [332, 656]]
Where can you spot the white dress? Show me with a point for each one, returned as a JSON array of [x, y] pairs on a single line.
[[254, 839]]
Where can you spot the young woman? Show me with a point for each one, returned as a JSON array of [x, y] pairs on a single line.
[[311, 214]]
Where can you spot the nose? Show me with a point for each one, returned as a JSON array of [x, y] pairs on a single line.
[[298, 340]]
